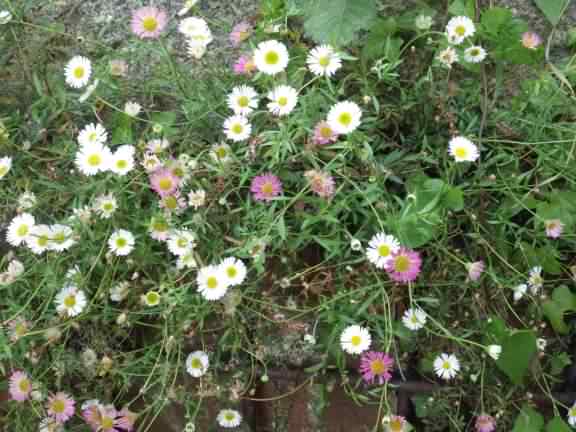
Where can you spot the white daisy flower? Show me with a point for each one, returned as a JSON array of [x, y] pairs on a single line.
[[132, 108], [181, 242], [221, 152], [61, 238], [94, 133], [323, 60], [197, 198], [20, 228], [448, 57], [474, 54], [344, 117], [535, 280], [380, 249], [121, 242], [187, 260], [520, 291], [541, 344], [196, 30], [463, 150], [122, 161], [446, 366], [195, 51], [423, 22], [494, 351], [243, 100], [5, 165], [197, 363], [151, 298], [459, 28], [119, 291], [228, 418], [158, 145], [27, 200], [39, 239], [355, 339], [89, 90], [78, 71], [234, 270], [283, 99], [93, 159], [414, 319], [212, 283], [572, 415], [237, 128], [271, 57], [105, 205], [70, 301]]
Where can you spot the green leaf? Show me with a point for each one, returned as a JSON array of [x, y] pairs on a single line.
[[559, 362], [122, 132], [337, 21], [378, 39], [528, 420], [557, 425], [562, 301], [454, 199], [414, 232], [517, 352], [463, 7], [552, 9]]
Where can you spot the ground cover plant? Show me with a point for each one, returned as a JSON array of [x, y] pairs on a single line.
[[369, 194]]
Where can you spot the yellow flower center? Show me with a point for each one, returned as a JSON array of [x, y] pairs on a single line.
[[231, 271], [221, 152], [401, 264], [383, 250], [324, 61], [345, 119], [395, 425], [94, 160], [150, 24], [237, 128], [196, 363], [474, 52], [3, 170], [461, 152], [152, 298], [212, 282], [182, 243], [267, 188], [460, 30], [107, 422], [356, 340], [121, 164], [229, 416], [20, 329], [282, 100], [24, 385], [58, 406], [271, 57], [108, 206], [171, 203], [377, 367], [178, 172], [92, 137], [70, 301], [79, 72], [160, 226], [243, 101], [22, 230], [121, 242], [446, 365], [572, 412], [325, 132], [42, 240], [165, 184], [59, 238]]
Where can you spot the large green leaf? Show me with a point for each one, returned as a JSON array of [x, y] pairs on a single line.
[[552, 9], [337, 21], [528, 420], [557, 425], [562, 301], [517, 352]]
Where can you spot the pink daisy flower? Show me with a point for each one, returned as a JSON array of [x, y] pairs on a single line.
[[531, 40], [60, 407], [265, 187], [485, 423], [395, 423], [164, 182], [173, 203], [240, 32], [323, 134], [20, 386], [475, 270], [554, 228], [127, 419], [244, 65], [376, 365], [404, 266], [148, 22], [321, 183], [18, 328], [105, 418]]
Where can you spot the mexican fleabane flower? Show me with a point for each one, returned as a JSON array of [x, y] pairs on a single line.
[[380, 249], [474, 54], [243, 100], [122, 161], [20, 228], [5, 166], [344, 117], [448, 57], [237, 128], [164, 182], [459, 28], [93, 159], [105, 205], [19, 386], [324, 134], [148, 22], [423, 22], [554, 228], [321, 183], [121, 242], [234, 270], [70, 301], [212, 283], [520, 291], [159, 228], [132, 108], [181, 242], [197, 32], [485, 423], [244, 65], [376, 365], [61, 237], [355, 339], [93, 133], [572, 415], [78, 71], [531, 40], [283, 99], [404, 265], [228, 418], [494, 351], [271, 57], [414, 319], [187, 260], [221, 153], [463, 150], [323, 60], [446, 366], [475, 270], [197, 363], [197, 198], [157, 145], [535, 279], [151, 298], [39, 239], [266, 187], [240, 32], [103, 418], [60, 407], [394, 423]]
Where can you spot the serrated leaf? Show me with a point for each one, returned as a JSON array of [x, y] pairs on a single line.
[[517, 352], [552, 9], [336, 22]]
